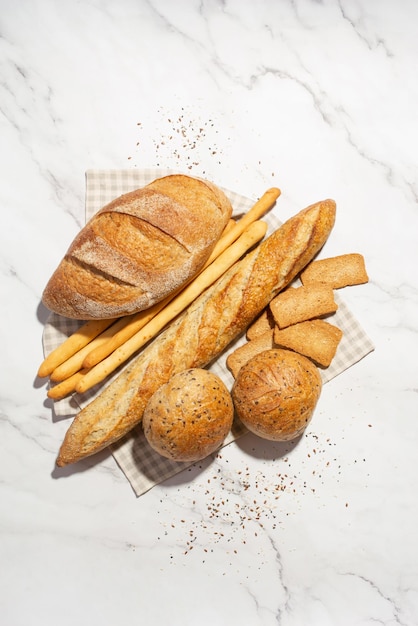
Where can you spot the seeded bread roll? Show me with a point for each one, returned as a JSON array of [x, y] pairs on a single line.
[[275, 394], [139, 249], [189, 417]]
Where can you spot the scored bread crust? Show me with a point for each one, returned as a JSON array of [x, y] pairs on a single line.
[[138, 249], [275, 394], [202, 332]]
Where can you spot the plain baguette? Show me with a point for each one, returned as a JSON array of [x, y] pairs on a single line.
[[201, 332]]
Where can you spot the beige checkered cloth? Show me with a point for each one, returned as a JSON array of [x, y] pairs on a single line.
[[143, 467]]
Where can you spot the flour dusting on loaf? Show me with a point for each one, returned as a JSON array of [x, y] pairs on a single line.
[[138, 249]]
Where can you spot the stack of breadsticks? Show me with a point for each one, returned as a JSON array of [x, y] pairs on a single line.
[[99, 347]]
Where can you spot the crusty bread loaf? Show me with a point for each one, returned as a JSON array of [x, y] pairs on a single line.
[[275, 394], [302, 303], [188, 417], [202, 332], [316, 339], [138, 249]]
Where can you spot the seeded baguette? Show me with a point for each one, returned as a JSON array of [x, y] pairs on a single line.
[[202, 332]]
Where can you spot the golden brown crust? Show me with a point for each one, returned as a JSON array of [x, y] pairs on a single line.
[[244, 353], [189, 417], [316, 339], [202, 332], [337, 272], [261, 325], [302, 303], [275, 394], [138, 249]]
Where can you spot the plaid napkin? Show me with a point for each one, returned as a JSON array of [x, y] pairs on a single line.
[[143, 467]]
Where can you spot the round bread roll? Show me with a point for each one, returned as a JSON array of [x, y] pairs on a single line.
[[189, 417], [275, 394]]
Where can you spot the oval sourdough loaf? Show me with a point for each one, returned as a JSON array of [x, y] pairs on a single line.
[[138, 249]]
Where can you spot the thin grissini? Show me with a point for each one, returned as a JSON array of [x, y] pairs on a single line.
[[75, 362], [80, 338], [66, 387], [202, 332], [138, 321], [257, 211], [252, 235]]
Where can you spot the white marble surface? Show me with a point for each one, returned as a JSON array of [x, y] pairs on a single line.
[[319, 98]]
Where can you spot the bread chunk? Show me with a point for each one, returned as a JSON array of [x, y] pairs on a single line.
[[337, 272], [315, 339], [302, 303], [244, 353], [261, 325]]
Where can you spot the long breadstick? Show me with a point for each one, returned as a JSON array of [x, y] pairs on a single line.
[[231, 223], [67, 386], [75, 342], [138, 321], [252, 235], [75, 362], [257, 211]]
